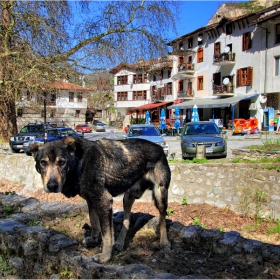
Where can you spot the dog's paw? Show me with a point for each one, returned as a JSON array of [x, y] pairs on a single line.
[[90, 242], [165, 245], [118, 247], [101, 258]]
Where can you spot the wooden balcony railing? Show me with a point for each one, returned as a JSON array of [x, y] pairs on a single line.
[[223, 57], [223, 89]]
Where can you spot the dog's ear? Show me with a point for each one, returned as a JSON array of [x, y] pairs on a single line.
[[74, 146], [33, 148]]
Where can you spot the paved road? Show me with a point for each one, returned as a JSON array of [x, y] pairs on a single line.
[[233, 142]]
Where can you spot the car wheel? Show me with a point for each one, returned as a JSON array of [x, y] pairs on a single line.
[[15, 150], [28, 154]]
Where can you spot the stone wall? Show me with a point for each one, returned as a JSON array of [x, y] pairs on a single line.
[[222, 185]]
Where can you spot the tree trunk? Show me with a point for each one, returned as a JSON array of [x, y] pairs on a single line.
[[8, 123]]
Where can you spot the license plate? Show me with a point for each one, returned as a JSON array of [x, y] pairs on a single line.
[[209, 150]]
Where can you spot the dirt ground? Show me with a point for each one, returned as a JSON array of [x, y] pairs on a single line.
[[142, 247]]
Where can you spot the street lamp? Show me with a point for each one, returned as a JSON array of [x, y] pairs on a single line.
[[45, 117]]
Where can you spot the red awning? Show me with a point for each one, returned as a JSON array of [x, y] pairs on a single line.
[[150, 106]]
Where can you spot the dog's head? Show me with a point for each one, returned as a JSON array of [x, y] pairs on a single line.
[[54, 161]]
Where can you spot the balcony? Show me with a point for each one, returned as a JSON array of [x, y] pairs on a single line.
[[186, 94], [186, 69], [223, 90], [224, 59]]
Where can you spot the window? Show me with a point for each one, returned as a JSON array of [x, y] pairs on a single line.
[[180, 85], [190, 42], [71, 96], [246, 41], [28, 96], [277, 66], [229, 28], [77, 114], [140, 95], [122, 80], [80, 96], [169, 89], [277, 33], [122, 96], [19, 112], [200, 55], [217, 48], [169, 72], [200, 83], [244, 77], [52, 114], [180, 60], [139, 78]]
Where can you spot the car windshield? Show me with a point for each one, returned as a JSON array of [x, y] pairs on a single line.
[[195, 129], [143, 131], [32, 129], [84, 125]]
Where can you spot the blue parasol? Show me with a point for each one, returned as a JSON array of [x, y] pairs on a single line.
[[148, 118], [195, 116], [177, 123], [162, 124]]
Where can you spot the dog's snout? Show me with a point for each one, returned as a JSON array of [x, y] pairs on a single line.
[[53, 186]]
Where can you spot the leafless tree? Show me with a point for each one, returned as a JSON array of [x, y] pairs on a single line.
[[46, 40]]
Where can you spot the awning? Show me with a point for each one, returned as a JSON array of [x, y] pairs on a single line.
[[150, 106], [181, 76], [212, 103]]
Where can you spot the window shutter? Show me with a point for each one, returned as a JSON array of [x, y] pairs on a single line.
[[243, 42], [165, 89], [238, 78], [249, 76]]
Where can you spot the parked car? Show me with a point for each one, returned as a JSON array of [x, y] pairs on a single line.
[[27, 133], [100, 127], [52, 135], [83, 128], [149, 132], [199, 133]]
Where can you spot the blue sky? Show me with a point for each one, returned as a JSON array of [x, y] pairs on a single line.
[[196, 14]]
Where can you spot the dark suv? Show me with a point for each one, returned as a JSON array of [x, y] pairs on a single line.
[[28, 132]]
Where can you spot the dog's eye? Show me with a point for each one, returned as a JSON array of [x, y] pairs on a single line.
[[61, 162], [43, 163]]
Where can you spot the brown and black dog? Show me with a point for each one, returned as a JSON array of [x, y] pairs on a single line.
[[100, 170]]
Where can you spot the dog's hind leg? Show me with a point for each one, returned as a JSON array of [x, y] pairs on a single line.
[[160, 194], [161, 177], [128, 201]]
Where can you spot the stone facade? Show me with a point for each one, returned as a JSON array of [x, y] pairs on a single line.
[[221, 185]]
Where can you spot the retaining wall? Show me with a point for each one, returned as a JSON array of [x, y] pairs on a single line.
[[222, 185]]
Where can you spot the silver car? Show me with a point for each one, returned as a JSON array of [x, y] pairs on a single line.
[[148, 132], [202, 133]]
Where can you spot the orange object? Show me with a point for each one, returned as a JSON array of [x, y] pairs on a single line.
[[242, 126]]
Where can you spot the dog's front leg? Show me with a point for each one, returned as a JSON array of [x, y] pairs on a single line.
[[105, 214], [94, 239]]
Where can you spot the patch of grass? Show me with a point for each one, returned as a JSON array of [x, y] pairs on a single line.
[[220, 228], [275, 229], [197, 222], [236, 160], [184, 201], [195, 160], [5, 269], [65, 274], [34, 223], [170, 211]]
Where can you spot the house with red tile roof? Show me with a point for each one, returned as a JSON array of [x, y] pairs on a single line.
[[66, 104]]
